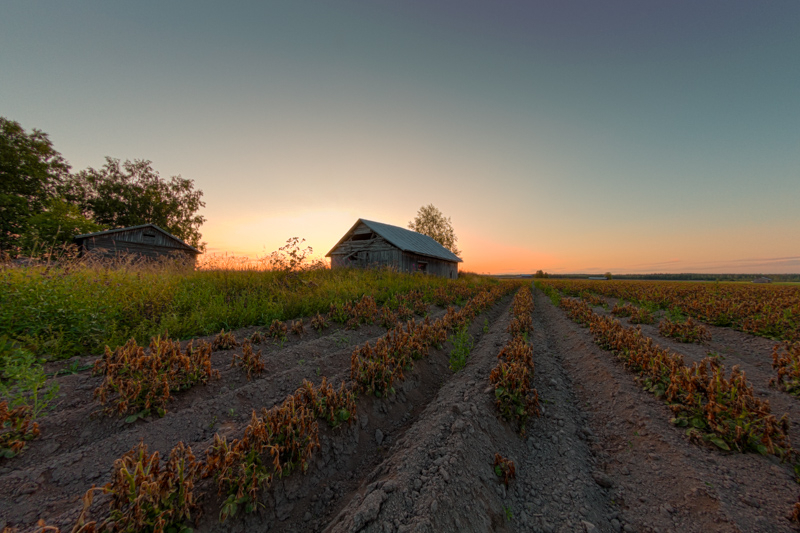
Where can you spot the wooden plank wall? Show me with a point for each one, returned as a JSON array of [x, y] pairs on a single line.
[[379, 252], [146, 236], [108, 246], [436, 267]]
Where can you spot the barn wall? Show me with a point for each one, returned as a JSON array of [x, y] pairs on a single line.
[[377, 252], [437, 267], [110, 246], [146, 236]]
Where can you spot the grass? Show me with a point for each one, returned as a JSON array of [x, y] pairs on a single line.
[[58, 311]]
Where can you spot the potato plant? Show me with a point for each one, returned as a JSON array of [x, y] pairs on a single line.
[[713, 408], [224, 341], [786, 361], [16, 428], [768, 311], [689, 331], [278, 330], [274, 444], [250, 361], [504, 469], [515, 398], [139, 381]]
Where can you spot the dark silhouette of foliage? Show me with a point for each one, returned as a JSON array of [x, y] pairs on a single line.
[[30, 172]]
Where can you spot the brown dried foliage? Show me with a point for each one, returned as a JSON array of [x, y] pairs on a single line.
[[767, 310], [319, 323], [278, 330], [374, 368], [257, 337], [135, 380], [504, 468], [16, 428], [786, 361], [515, 398], [723, 411], [249, 360], [224, 341], [328, 404], [147, 495], [638, 315], [274, 444], [689, 331], [297, 327]]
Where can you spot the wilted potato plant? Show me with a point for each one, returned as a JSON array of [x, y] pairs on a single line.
[[140, 382]]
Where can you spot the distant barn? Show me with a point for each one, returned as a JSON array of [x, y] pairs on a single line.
[[762, 279], [373, 244], [147, 240]]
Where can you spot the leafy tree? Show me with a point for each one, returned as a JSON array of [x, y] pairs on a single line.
[[607, 275], [133, 193], [30, 173], [57, 224], [431, 222]]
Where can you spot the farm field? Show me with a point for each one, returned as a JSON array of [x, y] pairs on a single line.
[[423, 435]]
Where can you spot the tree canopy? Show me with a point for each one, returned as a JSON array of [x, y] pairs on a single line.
[[133, 193], [30, 172], [43, 204], [431, 222]]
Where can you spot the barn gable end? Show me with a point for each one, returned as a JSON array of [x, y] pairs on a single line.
[[147, 240], [370, 243]]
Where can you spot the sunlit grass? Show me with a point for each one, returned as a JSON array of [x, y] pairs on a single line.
[[77, 307]]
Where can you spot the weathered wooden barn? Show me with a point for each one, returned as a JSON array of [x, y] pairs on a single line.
[[147, 240], [370, 243]]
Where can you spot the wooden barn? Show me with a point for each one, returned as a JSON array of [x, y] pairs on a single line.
[[370, 243], [147, 240]]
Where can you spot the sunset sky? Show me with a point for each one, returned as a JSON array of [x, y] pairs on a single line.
[[566, 136]]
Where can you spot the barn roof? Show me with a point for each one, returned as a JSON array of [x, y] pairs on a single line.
[[404, 239], [79, 238]]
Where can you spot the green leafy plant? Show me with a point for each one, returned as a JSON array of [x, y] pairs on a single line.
[[23, 380], [462, 346]]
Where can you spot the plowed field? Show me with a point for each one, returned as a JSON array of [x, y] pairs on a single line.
[[603, 455]]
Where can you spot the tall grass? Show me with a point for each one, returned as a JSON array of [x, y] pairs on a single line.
[[78, 307]]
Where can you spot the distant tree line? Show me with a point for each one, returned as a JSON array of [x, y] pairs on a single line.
[[43, 204]]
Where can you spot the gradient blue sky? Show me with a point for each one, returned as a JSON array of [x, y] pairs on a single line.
[[567, 136]]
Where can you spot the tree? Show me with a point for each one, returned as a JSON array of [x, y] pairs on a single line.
[[30, 173], [133, 193], [607, 275], [57, 225], [431, 222]]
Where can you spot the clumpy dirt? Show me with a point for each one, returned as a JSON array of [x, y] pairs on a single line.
[[602, 457]]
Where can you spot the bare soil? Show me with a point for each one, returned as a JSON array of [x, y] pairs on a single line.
[[602, 457]]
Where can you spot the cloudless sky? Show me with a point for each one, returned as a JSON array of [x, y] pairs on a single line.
[[561, 135]]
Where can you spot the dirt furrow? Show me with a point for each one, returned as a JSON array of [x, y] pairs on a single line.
[[658, 480], [78, 448], [734, 348], [352, 461]]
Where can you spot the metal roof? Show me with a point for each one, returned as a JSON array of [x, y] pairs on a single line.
[[404, 239], [130, 228]]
